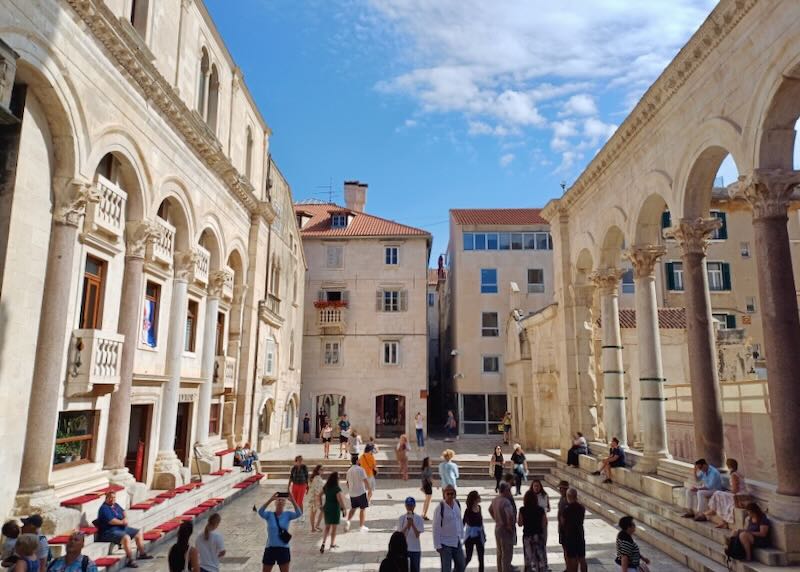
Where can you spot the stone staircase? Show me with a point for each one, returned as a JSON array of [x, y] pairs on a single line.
[[656, 502]]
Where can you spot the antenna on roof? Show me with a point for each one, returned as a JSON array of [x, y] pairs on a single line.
[[563, 186], [329, 188]]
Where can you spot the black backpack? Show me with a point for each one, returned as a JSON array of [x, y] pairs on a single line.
[[734, 549]]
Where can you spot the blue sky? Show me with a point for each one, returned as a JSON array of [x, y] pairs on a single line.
[[441, 104]]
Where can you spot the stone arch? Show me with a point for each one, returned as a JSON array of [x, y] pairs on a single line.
[[266, 416], [777, 112], [584, 265], [647, 229], [175, 195], [134, 177], [611, 247], [210, 240], [236, 263]]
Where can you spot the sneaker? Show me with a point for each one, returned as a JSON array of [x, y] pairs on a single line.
[[347, 526], [322, 549], [700, 518], [364, 529]]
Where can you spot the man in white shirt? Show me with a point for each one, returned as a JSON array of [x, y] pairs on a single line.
[[358, 483], [448, 530], [419, 423], [412, 526]]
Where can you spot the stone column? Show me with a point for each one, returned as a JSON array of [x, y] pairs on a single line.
[[768, 191], [583, 404], [614, 415], [693, 236], [34, 493], [168, 466], [651, 370], [138, 235]]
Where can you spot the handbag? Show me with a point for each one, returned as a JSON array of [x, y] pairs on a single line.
[[283, 534]]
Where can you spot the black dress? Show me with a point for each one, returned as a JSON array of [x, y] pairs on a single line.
[[498, 470]]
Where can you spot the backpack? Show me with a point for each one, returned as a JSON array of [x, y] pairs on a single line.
[[441, 511], [84, 564], [734, 549]]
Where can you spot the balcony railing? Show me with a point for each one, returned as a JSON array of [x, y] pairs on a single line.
[[94, 365], [164, 248], [227, 287], [224, 374], [270, 310], [107, 217], [202, 266], [331, 318]]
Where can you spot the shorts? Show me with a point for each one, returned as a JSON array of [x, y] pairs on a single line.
[[115, 535], [276, 555], [343, 439], [359, 501], [326, 439], [506, 428], [427, 488], [574, 548], [371, 481]]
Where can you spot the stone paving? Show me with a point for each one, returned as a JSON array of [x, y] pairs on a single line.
[[245, 535]]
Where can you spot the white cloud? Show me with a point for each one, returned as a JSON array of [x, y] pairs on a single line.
[[596, 131], [580, 104], [506, 159]]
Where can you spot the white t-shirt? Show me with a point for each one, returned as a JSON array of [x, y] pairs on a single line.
[[419, 422], [355, 481], [411, 539], [208, 550]]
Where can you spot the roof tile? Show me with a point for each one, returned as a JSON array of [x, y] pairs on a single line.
[[361, 225], [507, 217], [668, 318]]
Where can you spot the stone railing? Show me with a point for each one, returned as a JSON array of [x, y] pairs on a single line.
[[331, 318], [227, 287], [274, 304], [163, 249], [737, 397], [107, 217], [94, 361], [202, 266], [224, 374], [269, 311]]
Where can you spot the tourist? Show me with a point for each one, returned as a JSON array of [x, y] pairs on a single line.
[[450, 425], [756, 533], [358, 486], [448, 531], [533, 520], [313, 503], [511, 481], [474, 533], [367, 462], [298, 480], [496, 466], [333, 508], [278, 537], [448, 470], [306, 429], [210, 545], [628, 555], [397, 557], [73, 560], [401, 450], [33, 525], [412, 525], [426, 478], [722, 503], [10, 534], [250, 456], [371, 441], [574, 536], [616, 458], [344, 434], [506, 423], [325, 434], [182, 556], [26, 546], [419, 425], [355, 443], [112, 525], [505, 530], [244, 458], [520, 464], [579, 447], [563, 486], [541, 495], [708, 482]]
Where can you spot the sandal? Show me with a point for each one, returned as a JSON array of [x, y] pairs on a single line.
[[322, 549]]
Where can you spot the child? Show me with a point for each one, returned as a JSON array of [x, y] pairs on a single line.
[[25, 547], [10, 535]]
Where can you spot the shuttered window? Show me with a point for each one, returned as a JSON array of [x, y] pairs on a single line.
[[391, 300], [674, 272], [335, 257], [719, 276]]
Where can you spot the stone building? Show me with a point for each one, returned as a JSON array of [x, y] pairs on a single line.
[[143, 233], [365, 330]]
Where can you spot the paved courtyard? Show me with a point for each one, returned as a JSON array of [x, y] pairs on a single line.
[[245, 536]]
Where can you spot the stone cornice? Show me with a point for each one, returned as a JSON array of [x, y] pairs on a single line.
[[129, 58], [722, 20]]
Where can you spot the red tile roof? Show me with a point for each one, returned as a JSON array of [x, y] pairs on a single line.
[[668, 318], [361, 225], [506, 217]]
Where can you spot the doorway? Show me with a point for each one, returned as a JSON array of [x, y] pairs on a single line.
[[139, 441], [330, 406], [182, 424], [390, 415]]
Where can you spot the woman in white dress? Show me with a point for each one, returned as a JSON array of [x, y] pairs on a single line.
[[722, 503], [312, 499]]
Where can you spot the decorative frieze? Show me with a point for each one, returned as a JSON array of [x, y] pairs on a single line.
[[643, 258], [768, 191], [693, 235]]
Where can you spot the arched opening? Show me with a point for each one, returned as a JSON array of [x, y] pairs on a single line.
[[265, 420], [613, 245], [330, 407], [213, 99], [390, 415], [202, 82], [139, 15], [171, 212], [289, 415], [248, 154]]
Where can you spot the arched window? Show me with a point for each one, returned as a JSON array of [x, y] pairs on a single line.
[[202, 83], [139, 10], [248, 157], [288, 415], [266, 418], [213, 99]]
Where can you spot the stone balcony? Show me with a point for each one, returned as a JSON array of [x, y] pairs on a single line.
[[202, 267], [269, 311], [106, 218], [163, 249], [94, 362], [224, 375], [227, 286], [330, 317]]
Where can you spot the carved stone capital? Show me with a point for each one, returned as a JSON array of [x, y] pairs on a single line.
[[217, 281], [768, 191], [644, 258], [138, 235], [72, 207], [186, 265], [693, 234], [607, 280]]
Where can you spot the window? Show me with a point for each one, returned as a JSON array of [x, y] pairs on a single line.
[[491, 241], [505, 241], [756, 349], [190, 340], [391, 301], [628, 286], [489, 325], [480, 241], [391, 353], [291, 350], [152, 300], [338, 221], [727, 321], [248, 154], [535, 280], [270, 357], [392, 255], [333, 296], [744, 249], [331, 353], [431, 298], [666, 220], [213, 99], [213, 419], [139, 16], [675, 276], [544, 241], [288, 416], [516, 241], [202, 83], [335, 256], [719, 276], [722, 232], [220, 345], [92, 298], [491, 364], [488, 281], [75, 438], [750, 304], [469, 241]]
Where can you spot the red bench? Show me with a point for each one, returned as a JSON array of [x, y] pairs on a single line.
[[83, 499], [107, 561]]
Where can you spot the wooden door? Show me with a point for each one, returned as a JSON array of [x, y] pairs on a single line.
[[182, 431]]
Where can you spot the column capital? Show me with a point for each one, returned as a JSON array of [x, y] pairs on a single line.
[[217, 281], [138, 234], [71, 207], [185, 265], [607, 280], [768, 191], [644, 258], [693, 235]]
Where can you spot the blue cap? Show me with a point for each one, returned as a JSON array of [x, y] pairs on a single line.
[[411, 501]]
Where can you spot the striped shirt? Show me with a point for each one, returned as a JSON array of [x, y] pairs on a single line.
[[627, 547]]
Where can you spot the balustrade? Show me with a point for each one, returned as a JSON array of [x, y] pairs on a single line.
[[202, 266], [107, 217], [94, 366], [162, 250]]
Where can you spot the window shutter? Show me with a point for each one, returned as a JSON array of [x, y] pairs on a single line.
[[403, 300], [346, 296], [321, 295], [666, 219], [726, 276], [730, 321], [670, 274], [722, 233], [379, 301]]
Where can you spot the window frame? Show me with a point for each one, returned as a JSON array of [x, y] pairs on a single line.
[[95, 282], [750, 304], [431, 299], [488, 287], [486, 330], [214, 413], [390, 349], [628, 286], [533, 286], [391, 255], [390, 300], [338, 221], [270, 357], [744, 249], [331, 349], [190, 341], [340, 256], [90, 437], [720, 269], [494, 357]]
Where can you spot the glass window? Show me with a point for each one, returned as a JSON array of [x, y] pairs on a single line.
[[190, 339], [331, 353], [480, 241], [392, 255], [213, 419], [491, 241], [391, 301], [152, 299], [505, 241], [516, 241], [288, 416], [431, 298], [489, 325], [628, 286], [498, 406], [744, 248], [75, 438], [488, 281], [750, 304], [270, 357], [715, 281], [542, 240], [529, 240], [338, 221], [391, 353], [675, 276], [491, 364], [474, 407], [91, 317], [535, 280], [469, 241]]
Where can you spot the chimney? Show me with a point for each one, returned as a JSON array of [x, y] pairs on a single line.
[[355, 195]]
